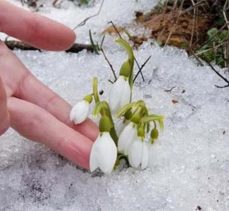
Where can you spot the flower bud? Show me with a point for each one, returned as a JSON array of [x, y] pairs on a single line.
[[154, 134], [80, 112]]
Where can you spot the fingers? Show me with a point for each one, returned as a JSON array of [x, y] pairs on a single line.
[[22, 84], [4, 117], [12, 71], [34, 29], [38, 125], [34, 91]]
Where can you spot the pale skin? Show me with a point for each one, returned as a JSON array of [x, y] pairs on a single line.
[[27, 105]]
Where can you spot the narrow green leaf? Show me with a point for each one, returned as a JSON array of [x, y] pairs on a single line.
[[127, 47], [95, 89]]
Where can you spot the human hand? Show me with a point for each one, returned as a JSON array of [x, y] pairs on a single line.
[[29, 106]]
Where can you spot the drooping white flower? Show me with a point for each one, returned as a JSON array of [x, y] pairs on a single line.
[[103, 153], [126, 138], [80, 112], [120, 124], [138, 154], [119, 94]]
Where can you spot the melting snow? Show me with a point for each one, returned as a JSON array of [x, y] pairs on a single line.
[[190, 162]]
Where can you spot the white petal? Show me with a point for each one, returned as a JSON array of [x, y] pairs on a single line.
[[126, 138], [145, 155], [115, 94], [79, 112], [120, 125], [119, 93], [93, 156], [126, 92], [135, 153], [103, 153]]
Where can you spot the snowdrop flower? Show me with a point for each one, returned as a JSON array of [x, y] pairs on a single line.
[[80, 111], [120, 93], [120, 124], [103, 153], [138, 154], [126, 138]]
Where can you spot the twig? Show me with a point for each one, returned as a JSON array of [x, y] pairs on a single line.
[[137, 63], [194, 24], [226, 52], [77, 47], [94, 46], [141, 68], [102, 41], [225, 8], [11, 44], [115, 28], [196, 5], [88, 18], [175, 22], [214, 70], [112, 69], [163, 15], [170, 90], [214, 48], [54, 3]]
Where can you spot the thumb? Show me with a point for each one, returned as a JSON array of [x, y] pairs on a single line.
[[4, 116]]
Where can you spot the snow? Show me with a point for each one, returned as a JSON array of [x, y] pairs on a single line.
[[190, 162]]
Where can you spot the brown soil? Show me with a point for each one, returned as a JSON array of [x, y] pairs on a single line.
[[182, 25], [175, 27]]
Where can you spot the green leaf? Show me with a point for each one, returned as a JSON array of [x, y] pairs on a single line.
[[127, 47], [212, 32], [95, 89], [127, 67]]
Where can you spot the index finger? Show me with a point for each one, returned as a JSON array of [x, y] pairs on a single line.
[[34, 29], [38, 125]]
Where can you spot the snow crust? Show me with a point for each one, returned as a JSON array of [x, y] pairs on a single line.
[[190, 162]]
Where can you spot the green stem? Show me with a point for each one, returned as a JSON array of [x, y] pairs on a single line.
[[113, 132], [114, 135], [95, 90], [104, 110]]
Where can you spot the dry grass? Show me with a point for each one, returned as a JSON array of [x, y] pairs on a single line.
[[188, 24]]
